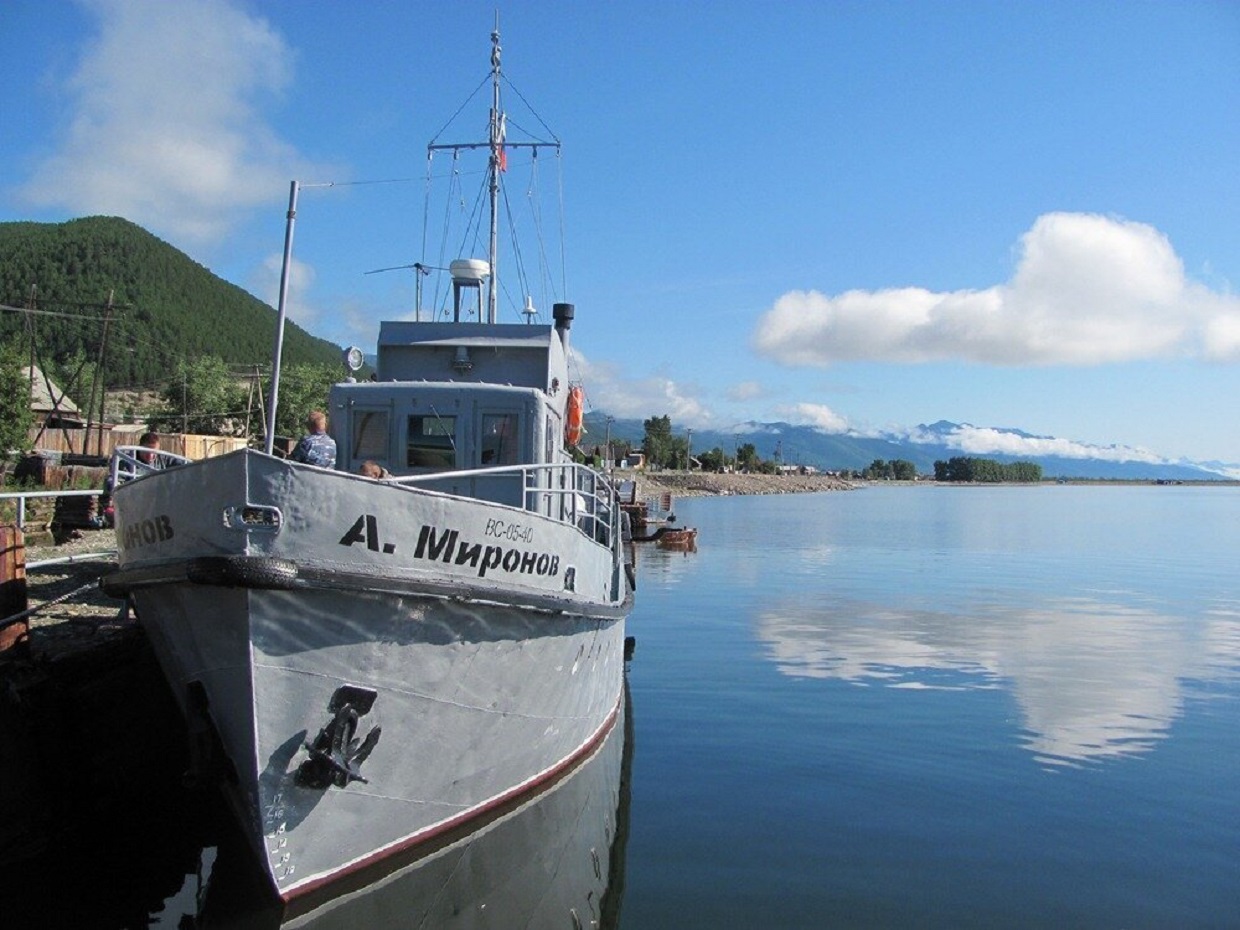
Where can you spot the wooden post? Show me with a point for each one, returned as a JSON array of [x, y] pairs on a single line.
[[12, 585]]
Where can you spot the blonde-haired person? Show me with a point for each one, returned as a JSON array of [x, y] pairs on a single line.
[[370, 469], [316, 447]]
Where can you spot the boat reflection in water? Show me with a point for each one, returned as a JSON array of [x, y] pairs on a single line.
[[551, 859], [128, 852]]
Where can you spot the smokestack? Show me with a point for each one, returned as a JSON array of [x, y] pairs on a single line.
[[563, 316]]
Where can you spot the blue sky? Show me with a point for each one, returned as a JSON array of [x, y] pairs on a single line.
[[860, 215]]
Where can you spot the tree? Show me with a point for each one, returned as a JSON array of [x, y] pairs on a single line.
[[903, 470], [16, 417], [878, 470], [714, 460], [678, 452], [747, 457], [658, 445], [204, 397], [163, 303], [965, 469], [302, 388]]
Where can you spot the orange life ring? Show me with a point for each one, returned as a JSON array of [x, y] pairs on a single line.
[[574, 415]]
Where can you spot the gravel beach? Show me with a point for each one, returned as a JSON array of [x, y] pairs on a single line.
[[700, 484]]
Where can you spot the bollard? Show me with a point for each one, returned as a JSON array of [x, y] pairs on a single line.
[[13, 598]]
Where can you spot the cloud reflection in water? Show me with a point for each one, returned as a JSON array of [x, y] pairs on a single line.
[[1094, 680]]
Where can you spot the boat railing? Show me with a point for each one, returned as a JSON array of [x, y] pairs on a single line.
[[567, 492], [129, 462], [19, 498], [125, 465]]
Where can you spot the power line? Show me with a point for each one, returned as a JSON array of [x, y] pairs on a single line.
[[60, 313]]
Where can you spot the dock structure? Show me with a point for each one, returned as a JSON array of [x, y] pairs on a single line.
[[83, 707], [13, 595]]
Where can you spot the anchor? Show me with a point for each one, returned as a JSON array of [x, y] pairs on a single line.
[[336, 756]]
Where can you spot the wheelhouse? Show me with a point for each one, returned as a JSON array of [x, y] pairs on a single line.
[[453, 398]]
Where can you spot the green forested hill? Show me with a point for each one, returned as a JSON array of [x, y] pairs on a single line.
[[167, 306]]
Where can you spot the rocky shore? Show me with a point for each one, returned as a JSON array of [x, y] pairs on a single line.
[[701, 484]]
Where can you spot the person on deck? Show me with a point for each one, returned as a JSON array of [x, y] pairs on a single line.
[[316, 447], [151, 459]]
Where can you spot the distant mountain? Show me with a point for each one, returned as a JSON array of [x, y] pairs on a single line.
[[925, 444], [165, 305]]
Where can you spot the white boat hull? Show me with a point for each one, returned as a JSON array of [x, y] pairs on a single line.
[[483, 685]]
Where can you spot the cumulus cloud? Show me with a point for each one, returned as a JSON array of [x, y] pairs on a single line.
[[820, 416], [985, 440], [607, 388], [1087, 290], [166, 128]]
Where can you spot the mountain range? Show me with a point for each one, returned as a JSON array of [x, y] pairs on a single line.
[[925, 444]]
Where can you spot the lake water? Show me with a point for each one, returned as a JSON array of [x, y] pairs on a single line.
[[890, 707], [941, 707]]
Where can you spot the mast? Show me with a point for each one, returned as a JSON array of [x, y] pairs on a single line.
[[498, 147], [497, 154]]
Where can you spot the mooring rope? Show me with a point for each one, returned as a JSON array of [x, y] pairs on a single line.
[[30, 611]]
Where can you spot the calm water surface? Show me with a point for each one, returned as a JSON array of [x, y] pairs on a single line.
[[893, 707], [940, 707]]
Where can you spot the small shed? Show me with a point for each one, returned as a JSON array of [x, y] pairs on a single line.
[[51, 405]]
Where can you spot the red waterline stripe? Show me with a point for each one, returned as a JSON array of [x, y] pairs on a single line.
[[531, 786]]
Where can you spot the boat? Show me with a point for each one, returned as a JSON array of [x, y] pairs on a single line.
[[367, 666], [556, 859], [677, 537]]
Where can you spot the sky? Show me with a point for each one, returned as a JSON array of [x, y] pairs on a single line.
[[863, 216]]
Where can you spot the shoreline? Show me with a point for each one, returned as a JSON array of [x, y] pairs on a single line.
[[710, 484], [713, 484]]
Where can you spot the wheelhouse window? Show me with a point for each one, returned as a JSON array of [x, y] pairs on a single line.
[[370, 435], [431, 442], [499, 439]]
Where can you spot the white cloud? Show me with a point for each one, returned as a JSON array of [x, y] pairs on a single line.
[[820, 416], [166, 128], [607, 388], [981, 440], [266, 282], [1087, 290], [1221, 338]]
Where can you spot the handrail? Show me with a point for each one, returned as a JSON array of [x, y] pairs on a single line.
[[565, 491], [21, 496], [128, 463], [125, 465]]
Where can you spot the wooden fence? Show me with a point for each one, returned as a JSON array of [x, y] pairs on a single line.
[[76, 442]]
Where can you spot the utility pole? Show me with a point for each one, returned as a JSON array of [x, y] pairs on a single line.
[[94, 382], [30, 327]]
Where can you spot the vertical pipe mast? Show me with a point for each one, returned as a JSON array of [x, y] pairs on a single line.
[[278, 350], [497, 142]]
